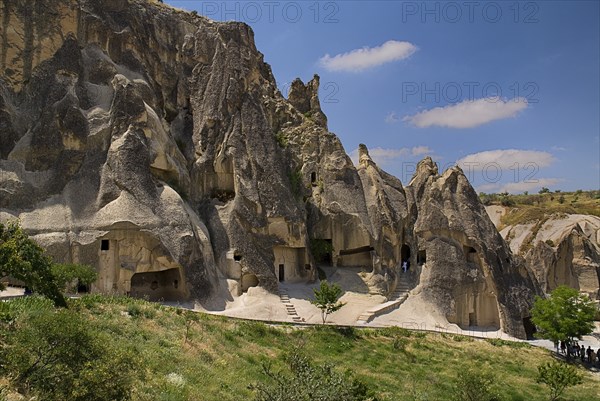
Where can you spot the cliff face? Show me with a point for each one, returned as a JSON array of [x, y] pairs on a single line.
[[154, 145], [561, 250]]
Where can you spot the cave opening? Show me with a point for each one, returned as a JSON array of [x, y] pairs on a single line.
[[405, 253], [104, 245], [529, 327], [249, 281], [156, 286], [421, 257]]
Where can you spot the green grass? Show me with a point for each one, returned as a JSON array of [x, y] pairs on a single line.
[[189, 356]]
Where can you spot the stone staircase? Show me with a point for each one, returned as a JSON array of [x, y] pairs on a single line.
[[291, 310], [401, 291], [395, 299]]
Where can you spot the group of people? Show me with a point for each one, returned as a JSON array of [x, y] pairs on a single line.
[[579, 351]]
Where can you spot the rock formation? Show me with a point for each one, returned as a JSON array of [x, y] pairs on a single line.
[[560, 250], [154, 144]]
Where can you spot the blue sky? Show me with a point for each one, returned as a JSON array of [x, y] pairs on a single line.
[[509, 90]]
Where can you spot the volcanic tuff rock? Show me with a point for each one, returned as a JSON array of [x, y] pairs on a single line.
[[561, 250], [154, 145]]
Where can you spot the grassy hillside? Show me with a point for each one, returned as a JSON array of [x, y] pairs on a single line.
[[526, 208], [189, 356]]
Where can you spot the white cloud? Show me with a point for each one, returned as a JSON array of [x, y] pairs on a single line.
[[368, 57], [469, 113], [383, 156], [506, 159], [392, 118], [519, 187], [421, 150]]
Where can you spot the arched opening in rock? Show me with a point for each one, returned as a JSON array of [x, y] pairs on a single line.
[[470, 254], [82, 288], [529, 327], [321, 250], [313, 179], [405, 253], [421, 257], [248, 281], [281, 272], [161, 285], [237, 257]]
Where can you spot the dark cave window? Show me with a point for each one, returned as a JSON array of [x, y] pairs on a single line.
[[104, 245]]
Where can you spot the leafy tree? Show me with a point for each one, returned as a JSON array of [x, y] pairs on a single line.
[[308, 381], [474, 385], [69, 276], [22, 259], [321, 249], [326, 299], [564, 315], [544, 190], [558, 376], [58, 355]]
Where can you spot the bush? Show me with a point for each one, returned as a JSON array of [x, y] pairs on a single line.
[[58, 355], [69, 276], [23, 259], [320, 249], [474, 385], [303, 380], [558, 376]]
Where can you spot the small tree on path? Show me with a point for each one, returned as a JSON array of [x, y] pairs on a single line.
[[326, 299]]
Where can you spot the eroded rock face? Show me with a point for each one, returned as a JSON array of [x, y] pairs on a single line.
[[561, 250], [154, 145], [466, 268]]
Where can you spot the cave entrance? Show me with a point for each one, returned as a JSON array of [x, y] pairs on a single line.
[[421, 257], [322, 250], [155, 286], [82, 288], [472, 319], [248, 281], [405, 253], [470, 254], [529, 327], [281, 273]]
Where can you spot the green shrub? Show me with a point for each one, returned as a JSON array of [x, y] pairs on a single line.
[[475, 385], [304, 380], [135, 310], [58, 355], [69, 276], [498, 342], [558, 376], [281, 139]]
